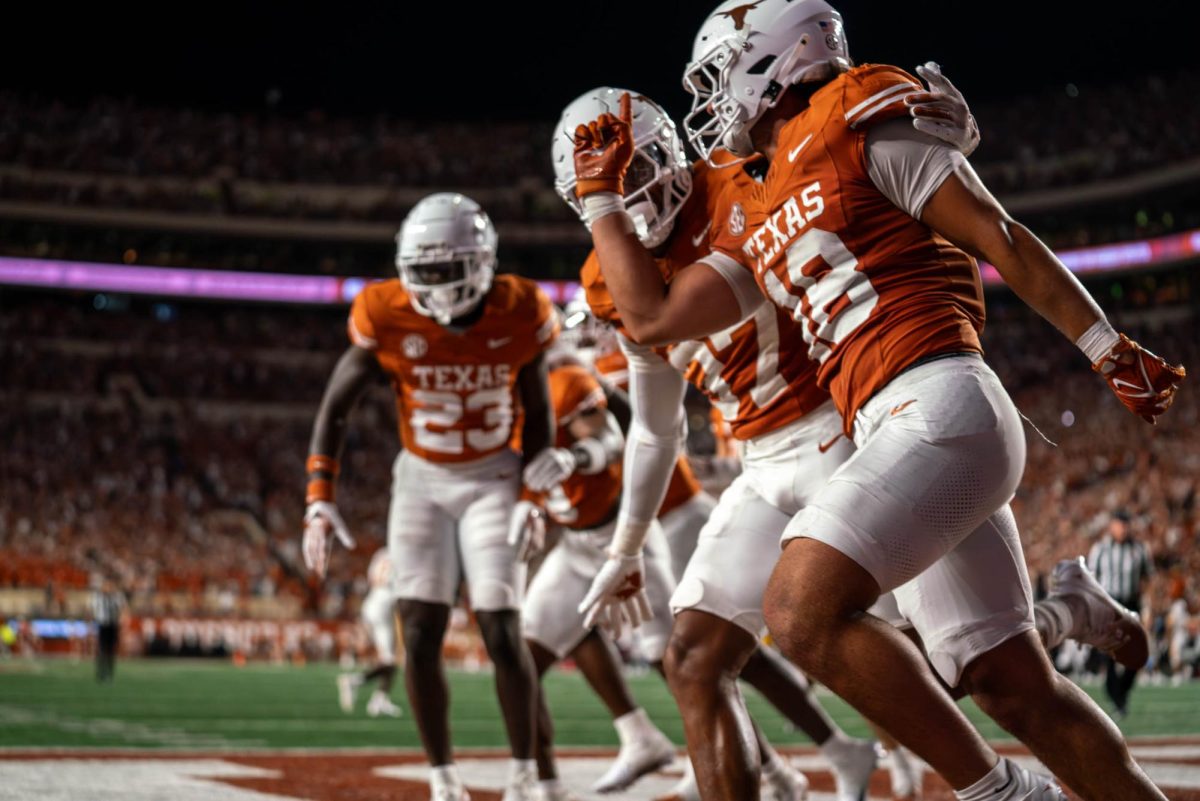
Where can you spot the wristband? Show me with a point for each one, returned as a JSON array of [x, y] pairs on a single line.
[[629, 538], [317, 463], [590, 456], [1098, 341], [319, 489], [601, 204]]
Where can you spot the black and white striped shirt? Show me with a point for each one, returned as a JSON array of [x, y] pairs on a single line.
[[1120, 568], [106, 607]]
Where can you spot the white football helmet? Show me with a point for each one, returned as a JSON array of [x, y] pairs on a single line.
[[446, 255], [582, 331], [657, 182], [746, 55]]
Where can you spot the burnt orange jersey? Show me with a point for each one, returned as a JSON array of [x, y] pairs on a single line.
[[756, 386], [873, 288], [455, 392], [683, 486], [582, 501]]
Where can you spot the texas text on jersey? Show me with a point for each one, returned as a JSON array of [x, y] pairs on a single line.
[[871, 299], [455, 392], [582, 501], [756, 386]]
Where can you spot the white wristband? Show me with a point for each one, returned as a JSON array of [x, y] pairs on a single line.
[[601, 204], [629, 538], [594, 457], [1098, 340]]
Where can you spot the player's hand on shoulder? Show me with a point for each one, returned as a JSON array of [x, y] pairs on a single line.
[[942, 111], [322, 524], [527, 530], [617, 596], [603, 151], [549, 468], [1143, 381]]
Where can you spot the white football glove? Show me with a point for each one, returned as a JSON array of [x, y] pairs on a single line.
[[617, 595], [527, 530], [943, 111], [322, 518], [551, 467]]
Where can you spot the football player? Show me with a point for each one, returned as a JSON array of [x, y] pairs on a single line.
[[791, 445], [864, 231], [463, 349], [378, 615], [578, 487]]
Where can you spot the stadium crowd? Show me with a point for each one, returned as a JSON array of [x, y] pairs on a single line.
[[136, 442]]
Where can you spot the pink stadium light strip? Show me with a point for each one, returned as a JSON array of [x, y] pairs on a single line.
[[329, 290]]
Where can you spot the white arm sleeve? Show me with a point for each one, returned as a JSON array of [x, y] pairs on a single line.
[[741, 281], [908, 166], [656, 434]]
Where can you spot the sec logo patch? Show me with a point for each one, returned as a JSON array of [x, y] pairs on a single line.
[[737, 220], [414, 346]]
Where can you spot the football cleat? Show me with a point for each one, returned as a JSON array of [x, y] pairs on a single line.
[[785, 783], [1107, 625], [906, 772], [1025, 785], [381, 705], [853, 766], [347, 685], [685, 789], [634, 761], [522, 786]]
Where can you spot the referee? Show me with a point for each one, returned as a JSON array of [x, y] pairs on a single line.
[[108, 607], [1122, 566]]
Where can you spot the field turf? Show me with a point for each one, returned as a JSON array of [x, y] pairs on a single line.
[[214, 705]]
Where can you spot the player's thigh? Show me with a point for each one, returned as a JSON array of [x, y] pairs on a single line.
[[550, 614], [735, 556], [973, 599], [495, 577], [421, 540], [654, 634], [681, 527], [938, 454]]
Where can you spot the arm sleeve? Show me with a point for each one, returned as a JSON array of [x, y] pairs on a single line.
[[908, 166], [740, 280], [656, 391]]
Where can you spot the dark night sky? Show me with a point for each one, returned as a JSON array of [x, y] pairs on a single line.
[[470, 60]]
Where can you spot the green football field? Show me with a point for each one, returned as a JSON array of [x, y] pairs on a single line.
[[205, 705]]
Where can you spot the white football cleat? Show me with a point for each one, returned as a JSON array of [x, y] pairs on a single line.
[[1029, 786], [522, 786], [347, 684], [447, 790], [1108, 626], [852, 768], [685, 789], [906, 773], [785, 783], [635, 760], [381, 705]]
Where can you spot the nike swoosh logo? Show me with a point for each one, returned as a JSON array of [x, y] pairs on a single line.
[[696, 240], [897, 409], [499, 343], [1138, 391], [796, 150], [824, 446]]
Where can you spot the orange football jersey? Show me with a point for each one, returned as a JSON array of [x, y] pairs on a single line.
[[874, 289], [684, 486], [757, 386], [583, 500], [456, 393]]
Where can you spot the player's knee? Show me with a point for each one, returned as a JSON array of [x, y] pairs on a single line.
[[792, 619], [1011, 693], [690, 664], [502, 638]]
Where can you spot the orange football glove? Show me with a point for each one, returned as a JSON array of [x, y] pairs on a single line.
[[1142, 381], [603, 151]]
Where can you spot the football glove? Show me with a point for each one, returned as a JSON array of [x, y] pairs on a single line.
[[617, 595], [603, 151], [549, 468], [943, 111], [1142, 381], [527, 530], [321, 519]]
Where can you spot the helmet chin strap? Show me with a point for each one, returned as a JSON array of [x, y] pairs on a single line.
[[643, 214]]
